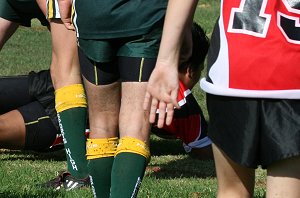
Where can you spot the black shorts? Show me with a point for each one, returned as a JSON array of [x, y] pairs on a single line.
[[128, 59], [255, 132], [14, 93], [125, 69], [40, 130], [33, 96], [22, 11]]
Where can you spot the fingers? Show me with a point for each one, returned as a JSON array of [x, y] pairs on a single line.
[[146, 101], [164, 112], [161, 114], [170, 113], [163, 108], [173, 99], [153, 108]]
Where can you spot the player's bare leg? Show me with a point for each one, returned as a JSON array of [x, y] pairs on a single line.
[[133, 119], [7, 29], [12, 130], [283, 179], [133, 152], [65, 69], [233, 180], [104, 106]]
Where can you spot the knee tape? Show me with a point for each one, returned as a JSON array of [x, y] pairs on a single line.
[[70, 97], [133, 145], [98, 148]]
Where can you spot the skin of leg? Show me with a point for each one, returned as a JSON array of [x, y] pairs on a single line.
[[233, 180], [103, 107], [7, 29], [134, 120], [12, 130], [64, 67], [283, 178]]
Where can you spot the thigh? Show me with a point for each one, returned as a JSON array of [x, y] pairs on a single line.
[[65, 69], [98, 73], [134, 121], [14, 92], [103, 108], [7, 29], [12, 130], [283, 178], [41, 132], [103, 94]]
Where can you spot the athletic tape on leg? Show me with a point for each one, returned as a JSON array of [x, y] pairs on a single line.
[[98, 148], [70, 97]]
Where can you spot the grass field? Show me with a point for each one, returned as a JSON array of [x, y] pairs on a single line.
[[171, 172]]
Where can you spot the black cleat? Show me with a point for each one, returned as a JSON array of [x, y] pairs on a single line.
[[67, 181]]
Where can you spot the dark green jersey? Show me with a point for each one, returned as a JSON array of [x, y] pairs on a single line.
[[105, 19]]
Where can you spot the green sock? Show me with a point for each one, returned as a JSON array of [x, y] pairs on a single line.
[[127, 173], [72, 124], [100, 172]]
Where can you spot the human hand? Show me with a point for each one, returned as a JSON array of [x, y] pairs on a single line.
[[161, 94], [65, 8]]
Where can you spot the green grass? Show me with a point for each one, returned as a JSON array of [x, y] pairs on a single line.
[[171, 173]]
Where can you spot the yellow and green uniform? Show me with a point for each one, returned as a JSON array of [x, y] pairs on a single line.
[[124, 36], [117, 18]]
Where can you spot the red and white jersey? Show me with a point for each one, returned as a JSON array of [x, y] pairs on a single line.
[[188, 124], [255, 50]]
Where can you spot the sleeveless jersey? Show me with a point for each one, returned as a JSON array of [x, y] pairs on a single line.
[[255, 50], [188, 124], [98, 19]]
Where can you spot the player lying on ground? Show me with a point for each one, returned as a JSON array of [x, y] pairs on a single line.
[[65, 73], [29, 120]]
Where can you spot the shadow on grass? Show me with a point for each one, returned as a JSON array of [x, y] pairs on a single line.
[[181, 168], [162, 146], [7, 155]]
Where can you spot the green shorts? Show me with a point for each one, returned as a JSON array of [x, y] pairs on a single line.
[[142, 46], [22, 11]]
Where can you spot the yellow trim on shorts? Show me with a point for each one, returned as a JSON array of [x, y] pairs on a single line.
[[68, 97], [141, 69], [36, 121], [50, 8], [72, 13], [133, 145], [99, 148], [96, 74]]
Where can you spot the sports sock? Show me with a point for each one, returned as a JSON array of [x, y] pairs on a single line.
[[100, 153], [131, 159], [70, 104]]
